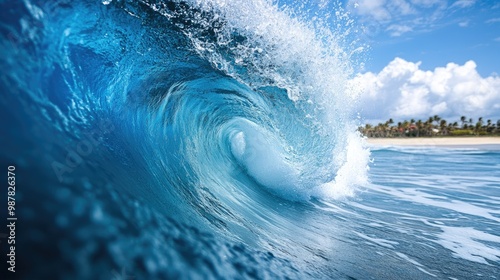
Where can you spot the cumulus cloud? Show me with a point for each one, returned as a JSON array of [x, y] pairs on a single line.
[[402, 90]]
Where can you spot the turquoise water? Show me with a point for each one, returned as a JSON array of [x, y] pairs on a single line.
[[217, 140], [436, 209]]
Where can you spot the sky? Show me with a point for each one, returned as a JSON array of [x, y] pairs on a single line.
[[428, 57]]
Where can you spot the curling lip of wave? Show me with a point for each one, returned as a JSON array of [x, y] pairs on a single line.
[[266, 49]]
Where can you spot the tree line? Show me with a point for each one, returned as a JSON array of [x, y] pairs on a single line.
[[433, 126]]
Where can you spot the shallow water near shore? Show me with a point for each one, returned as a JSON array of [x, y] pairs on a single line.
[[444, 203], [457, 142]]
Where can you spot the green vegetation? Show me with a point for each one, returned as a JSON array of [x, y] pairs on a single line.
[[433, 126]]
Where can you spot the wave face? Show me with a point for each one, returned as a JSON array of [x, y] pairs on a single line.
[[177, 138]]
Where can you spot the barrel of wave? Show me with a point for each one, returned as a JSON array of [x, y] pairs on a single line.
[[265, 159]]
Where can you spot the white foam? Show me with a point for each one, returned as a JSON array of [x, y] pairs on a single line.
[[305, 59], [280, 47], [352, 173], [417, 264], [417, 196], [382, 242], [465, 243]]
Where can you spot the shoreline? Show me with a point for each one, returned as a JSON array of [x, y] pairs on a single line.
[[437, 141]]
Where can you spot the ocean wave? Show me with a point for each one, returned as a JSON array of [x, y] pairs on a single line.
[[210, 112]]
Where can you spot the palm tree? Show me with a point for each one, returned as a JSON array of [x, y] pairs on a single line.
[[427, 125], [419, 127], [489, 127], [399, 128], [478, 127], [380, 128], [436, 119], [463, 119], [442, 126], [412, 128], [367, 130], [388, 127]]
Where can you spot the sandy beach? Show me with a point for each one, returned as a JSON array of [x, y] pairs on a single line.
[[437, 141]]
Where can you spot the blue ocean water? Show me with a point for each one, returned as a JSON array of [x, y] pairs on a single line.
[[217, 140]]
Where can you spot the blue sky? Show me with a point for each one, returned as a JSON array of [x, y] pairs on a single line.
[[434, 32], [424, 57], [429, 57]]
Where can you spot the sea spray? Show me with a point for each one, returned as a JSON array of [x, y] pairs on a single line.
[[270, 51], [231, 121]]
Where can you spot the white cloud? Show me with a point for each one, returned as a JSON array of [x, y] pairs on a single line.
[[463, 3], [493, 20], [398, 17], [427, 3], [397, 30], [401, 6], [402, 90], [413, 15], [373, 9], [382, 10]]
